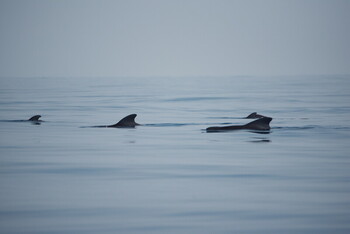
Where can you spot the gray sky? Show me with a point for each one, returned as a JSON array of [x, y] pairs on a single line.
[[174, 37]]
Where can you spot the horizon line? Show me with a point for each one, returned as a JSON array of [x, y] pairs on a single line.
[[174, 76]]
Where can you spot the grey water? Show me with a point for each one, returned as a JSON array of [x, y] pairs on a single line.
[[169, 175]]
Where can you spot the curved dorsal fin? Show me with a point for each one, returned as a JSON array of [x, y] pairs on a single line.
[[126, 122], [259, 124], [35, 118], [254, 115], [251, 116]]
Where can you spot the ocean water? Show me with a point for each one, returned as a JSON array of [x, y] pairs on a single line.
[[169, 175]]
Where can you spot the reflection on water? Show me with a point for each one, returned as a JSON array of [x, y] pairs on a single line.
[[260, 140], [260, 131]]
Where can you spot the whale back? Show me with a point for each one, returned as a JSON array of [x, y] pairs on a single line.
[[259, 124], [126, 122], [222, 129]]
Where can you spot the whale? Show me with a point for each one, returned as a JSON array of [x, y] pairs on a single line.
[[126, 122], [35, 118], [254, 115], [259, 124]]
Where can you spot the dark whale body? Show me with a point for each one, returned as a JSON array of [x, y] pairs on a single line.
[[259, 124], [126, 122], [35, 118], [254, 115]]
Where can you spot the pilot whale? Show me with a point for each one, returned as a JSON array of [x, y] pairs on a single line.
[[259, 124], [126, 122], [254, 115], [33, 119]]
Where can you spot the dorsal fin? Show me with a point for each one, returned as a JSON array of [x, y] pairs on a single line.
[[254, 115], [251, 116], [35, 118], [259, 124], [126, 122]]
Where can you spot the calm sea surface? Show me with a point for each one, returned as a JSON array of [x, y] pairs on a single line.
[[170, 176]]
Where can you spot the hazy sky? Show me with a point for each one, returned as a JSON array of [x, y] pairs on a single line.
[[174, 37]]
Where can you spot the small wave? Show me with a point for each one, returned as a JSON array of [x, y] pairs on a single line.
[[296, 128], [219, 117], [341, 128], [184, 124], [22, 121], [186, 99], [260, 131], [260, 141], [169, 124], [13, 121]]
